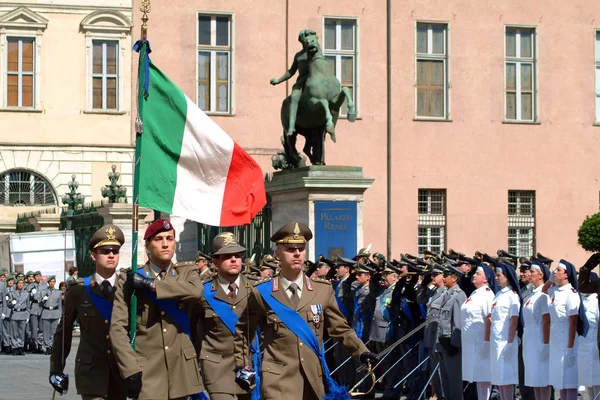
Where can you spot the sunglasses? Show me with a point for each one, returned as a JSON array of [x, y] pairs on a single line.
[[107, 251]]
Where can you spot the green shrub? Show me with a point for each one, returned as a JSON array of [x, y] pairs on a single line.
[[589, 233]]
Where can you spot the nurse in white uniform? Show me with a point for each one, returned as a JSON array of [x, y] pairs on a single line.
[[504, 319], [588, 356], [564, 315], [536, 334], [475, 345]]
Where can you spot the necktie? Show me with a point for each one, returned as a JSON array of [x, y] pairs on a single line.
[[106, 288], [294, 298], [161, 274], [232, 291]]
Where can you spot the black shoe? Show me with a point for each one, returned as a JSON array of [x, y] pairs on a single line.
[[15, 352], [22, 352], [48, 351]]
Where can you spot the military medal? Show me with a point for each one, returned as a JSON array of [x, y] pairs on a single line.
[[317, 311]]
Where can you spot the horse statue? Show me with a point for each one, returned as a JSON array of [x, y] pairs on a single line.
[[313, 108]]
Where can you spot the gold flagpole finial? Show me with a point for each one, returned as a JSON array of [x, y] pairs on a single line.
[[145, 8]]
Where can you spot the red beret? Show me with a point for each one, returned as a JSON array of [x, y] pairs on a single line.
[[158, 226]]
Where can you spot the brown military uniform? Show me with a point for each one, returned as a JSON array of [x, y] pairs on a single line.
[[164, 353], [215, 340], [291, 370], [96, 370]]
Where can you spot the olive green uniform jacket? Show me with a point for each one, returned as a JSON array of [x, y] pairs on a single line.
[[215, 340], [289, 366], [96, 371], [164, 353]]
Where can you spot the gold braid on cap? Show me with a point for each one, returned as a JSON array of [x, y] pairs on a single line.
[[295, 238], [110, 239]]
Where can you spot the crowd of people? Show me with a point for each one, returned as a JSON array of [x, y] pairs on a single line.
[[443, 325], [30, 306]]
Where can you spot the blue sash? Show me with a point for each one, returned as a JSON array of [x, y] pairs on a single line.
[[299, 327], [230, 319], [171, 307], [222, 309], [358, 322], [100, 302], [340, 303]]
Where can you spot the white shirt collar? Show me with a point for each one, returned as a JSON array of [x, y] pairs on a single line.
[[225, 283], [286, 284], [110, 280], [157, 269]]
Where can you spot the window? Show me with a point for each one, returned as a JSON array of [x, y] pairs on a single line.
[[20, 72], [598, 76], [214, 63], [521, 222], [105, 75], [432, 220], [520, 103], [25, 188], [432, 71], [341, 42]]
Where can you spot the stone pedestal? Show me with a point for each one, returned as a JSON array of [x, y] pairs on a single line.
[[329, 199], [45, 222], [120, 214]]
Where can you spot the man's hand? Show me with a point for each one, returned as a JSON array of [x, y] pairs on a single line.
[[133, 384], [592, 262], [368, 358], [245, 377], [139, 281], [274, 81], [59, 381]]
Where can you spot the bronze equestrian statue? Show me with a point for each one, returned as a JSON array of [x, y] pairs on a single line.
[[312, 110]]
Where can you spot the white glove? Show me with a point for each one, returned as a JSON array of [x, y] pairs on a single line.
[[14, 302], [545, 353], [570, 357], [485, 349], [509, 352], [27, 321], [3, 316], [45, 298], [33, 291]]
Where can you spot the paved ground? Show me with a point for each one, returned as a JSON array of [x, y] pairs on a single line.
[[26, 377]]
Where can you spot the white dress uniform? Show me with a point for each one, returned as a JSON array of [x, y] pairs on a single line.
[[564, 303], [534, 307], [473, 313], [504, 356], [589, 365]]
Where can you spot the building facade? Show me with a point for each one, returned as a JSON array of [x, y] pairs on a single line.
[[65, 100]]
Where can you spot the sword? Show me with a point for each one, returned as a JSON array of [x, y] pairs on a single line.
[[347, 359], [428, 381]]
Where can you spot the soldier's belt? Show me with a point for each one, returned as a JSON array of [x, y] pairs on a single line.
[[50, 308], [19, 309]]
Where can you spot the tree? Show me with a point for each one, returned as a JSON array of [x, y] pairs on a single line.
[[589, 233]]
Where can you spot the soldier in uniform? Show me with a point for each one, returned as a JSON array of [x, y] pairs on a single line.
[[90, 299], [294, 366], [202, 263], [2, 289], [364, 302], [225, 299], [449, 334], [51, 301], [36, 313], [430, 293], [382, 329], [18, 304], [164, 364], [7, 332], [29, 336], [344, 295]]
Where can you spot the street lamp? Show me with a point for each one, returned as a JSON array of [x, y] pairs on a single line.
[[72, 200], [116, 193]]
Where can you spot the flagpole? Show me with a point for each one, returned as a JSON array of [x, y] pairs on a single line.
[[145, 8]]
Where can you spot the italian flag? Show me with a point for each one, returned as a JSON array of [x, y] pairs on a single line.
[[189, 166]]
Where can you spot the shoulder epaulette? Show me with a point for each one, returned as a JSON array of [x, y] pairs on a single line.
[[573, 289], [487, 289], [319, 280], [78, 281], [262, 280], [185, 264]]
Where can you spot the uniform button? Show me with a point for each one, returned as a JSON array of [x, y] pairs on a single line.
[[301, 344], [166, 347], [234, 307], [106, 321], [107, 337], [302, 360], [165, 330], [162, 313], [214, 315], [85, 314], [107, 351]]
